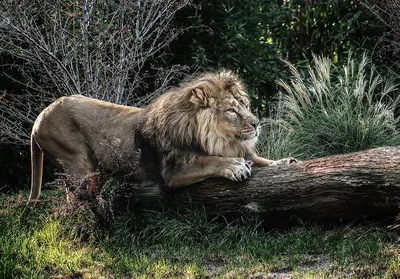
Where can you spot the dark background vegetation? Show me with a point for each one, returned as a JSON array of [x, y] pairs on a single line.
[[250, 38]]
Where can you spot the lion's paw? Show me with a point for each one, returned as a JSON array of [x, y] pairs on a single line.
[[238, 169], [285, 161]]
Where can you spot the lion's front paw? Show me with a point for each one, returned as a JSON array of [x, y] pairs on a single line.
[[285, 161], [237, 169]]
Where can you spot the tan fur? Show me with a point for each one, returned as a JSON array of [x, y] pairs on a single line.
[[202, 129], [80, 134]]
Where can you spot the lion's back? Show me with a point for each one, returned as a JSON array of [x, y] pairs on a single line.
[[77, 111], [76, 124]]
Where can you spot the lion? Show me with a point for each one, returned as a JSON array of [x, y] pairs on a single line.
[[203, 128]]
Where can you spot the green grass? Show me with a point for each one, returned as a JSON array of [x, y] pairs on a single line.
[[50, 242], [333, 111]]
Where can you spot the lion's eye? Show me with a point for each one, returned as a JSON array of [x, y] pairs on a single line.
[[241, 102], [231, 110]]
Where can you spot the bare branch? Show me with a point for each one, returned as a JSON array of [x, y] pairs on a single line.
[[101, 49], [388, 12]]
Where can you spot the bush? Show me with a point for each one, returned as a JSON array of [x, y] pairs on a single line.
[[336, 111]]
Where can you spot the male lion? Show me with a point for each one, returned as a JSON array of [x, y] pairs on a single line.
[[204, 128]]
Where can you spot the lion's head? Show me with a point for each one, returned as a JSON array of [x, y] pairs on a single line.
[[210, 112]]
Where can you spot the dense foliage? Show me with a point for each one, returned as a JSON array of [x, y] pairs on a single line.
[[252, 39]]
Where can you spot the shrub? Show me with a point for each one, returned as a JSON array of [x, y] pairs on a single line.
[[336, 111]]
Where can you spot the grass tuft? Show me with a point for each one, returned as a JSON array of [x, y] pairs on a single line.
[[335, 110]]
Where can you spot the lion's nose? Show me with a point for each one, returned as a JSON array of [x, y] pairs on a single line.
[[255, 123]]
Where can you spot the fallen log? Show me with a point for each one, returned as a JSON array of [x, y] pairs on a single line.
[[342, 187]]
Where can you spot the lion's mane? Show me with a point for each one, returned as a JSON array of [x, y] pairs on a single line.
[[182, 122]]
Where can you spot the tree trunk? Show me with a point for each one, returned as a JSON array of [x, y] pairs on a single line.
[[342, 187]]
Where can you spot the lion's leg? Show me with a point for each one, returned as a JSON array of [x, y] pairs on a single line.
[[75, 160], [236, 169], [262, 162], [78, 165], [72, 155]]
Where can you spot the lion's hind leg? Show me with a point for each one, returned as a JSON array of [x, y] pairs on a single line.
[[72, 156]]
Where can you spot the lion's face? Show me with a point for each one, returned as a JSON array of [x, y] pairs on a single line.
[[234, 118], [226, 127]]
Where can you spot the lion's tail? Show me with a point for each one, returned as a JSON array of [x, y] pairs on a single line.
[[37, 170]]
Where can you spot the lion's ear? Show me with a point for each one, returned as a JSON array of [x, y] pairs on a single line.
[[199, 97]]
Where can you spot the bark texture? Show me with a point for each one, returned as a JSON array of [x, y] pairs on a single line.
[[343, 187]]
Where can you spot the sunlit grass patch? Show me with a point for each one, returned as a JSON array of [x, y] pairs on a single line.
[[49, 249], [36, 245], [140, 265]]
